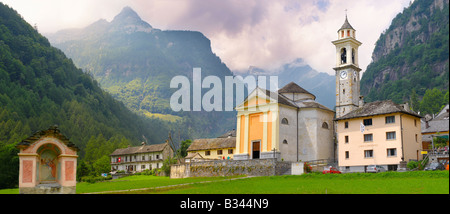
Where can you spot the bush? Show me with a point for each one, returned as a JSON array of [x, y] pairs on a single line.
[[92, 179], [166, 165], [146, 172], [307, 168], [412, 165]]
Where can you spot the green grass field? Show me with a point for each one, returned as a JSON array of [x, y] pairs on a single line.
[[359, 183], [431, 182]]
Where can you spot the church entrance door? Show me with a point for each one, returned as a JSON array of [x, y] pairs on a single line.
[[256, 149]]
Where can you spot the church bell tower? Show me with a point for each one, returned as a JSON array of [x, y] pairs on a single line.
[[347, 70]]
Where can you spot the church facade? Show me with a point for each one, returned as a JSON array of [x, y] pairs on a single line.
[[288, 125]]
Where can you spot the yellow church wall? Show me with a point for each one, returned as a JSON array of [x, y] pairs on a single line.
[[269, 131], [256, 129], [242, 134]]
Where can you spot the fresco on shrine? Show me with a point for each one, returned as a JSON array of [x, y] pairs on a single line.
[[48, 163]]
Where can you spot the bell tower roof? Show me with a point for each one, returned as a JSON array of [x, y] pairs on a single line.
[[346, 25]]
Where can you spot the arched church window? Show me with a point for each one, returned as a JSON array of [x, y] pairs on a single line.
[[325, 125], [285, 141], [284, 121], [343, 56]]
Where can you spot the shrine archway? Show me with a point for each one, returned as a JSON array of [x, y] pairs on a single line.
[[49, 169]]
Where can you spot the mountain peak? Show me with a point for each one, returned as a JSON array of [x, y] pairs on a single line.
[[127, 13], [130, 21]]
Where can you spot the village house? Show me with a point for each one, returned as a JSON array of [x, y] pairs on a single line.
[[220, 148], [140, 158], [378, 133], [433, 128], [288, 125]]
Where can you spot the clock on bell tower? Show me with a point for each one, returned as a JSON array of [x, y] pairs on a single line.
[[347, 70]]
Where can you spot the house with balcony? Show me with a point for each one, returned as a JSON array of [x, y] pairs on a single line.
[[140, 158]]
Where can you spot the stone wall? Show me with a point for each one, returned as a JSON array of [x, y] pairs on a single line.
[[52, 188], [259, 167]]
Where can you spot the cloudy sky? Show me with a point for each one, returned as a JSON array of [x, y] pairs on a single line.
[[243, 33]]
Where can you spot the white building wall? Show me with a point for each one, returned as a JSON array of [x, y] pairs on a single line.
[[288, 133], [315, 142]]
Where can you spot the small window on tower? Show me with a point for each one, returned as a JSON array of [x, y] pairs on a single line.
[[342, 33], [348, 32], [284, 121], [353, 55], [343, 56]]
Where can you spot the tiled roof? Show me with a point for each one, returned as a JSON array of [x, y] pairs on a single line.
[[346, 25], [435, 126], [280, 98], [53, 131], [140, 149], [231, 133], [312, 104], [212, 143], [378, 108], [293, 88]]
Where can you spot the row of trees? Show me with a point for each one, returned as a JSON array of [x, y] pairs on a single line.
[[432, 102]]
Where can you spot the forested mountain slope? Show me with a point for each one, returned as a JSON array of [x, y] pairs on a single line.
[[411, 57], [41, 87]]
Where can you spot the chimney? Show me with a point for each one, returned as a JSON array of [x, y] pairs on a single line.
[[361, 101], [406, 106]]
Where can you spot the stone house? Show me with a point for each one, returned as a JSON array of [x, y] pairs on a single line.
[[220, 148], [140, 158], [435, 127]]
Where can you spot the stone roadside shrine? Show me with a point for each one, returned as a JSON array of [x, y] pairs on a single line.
[[48, 163]]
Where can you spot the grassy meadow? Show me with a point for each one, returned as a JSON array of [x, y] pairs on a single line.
[[420, 182]]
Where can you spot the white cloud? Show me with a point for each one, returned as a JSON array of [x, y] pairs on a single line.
[[262, 33]]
